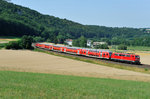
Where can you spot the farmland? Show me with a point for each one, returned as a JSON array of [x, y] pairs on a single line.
[[29, 61], [4, 40], [18, 85], [62, 78], [7, 39]]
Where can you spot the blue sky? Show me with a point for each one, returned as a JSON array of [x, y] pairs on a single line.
[[112, 13]]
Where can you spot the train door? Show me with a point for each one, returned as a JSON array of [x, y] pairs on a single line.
[[132, 57], [78, 52], [101, 54], [61, 49], [98, 54], [87, 52], [110, 53], [49, 47], [64, 49]]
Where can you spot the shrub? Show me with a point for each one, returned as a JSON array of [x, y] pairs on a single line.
[[24, 43], [122, 47], [102, 46], [13, 45]]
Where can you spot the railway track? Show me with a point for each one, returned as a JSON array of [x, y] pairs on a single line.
[[145, 66]]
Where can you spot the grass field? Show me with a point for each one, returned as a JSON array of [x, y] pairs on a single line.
[[139, 48], [132, 48], [4, 39], [21, 85], [2, 45]]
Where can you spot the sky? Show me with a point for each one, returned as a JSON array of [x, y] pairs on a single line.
[[111, 13]]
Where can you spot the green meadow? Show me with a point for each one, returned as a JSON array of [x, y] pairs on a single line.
[[2, 45], [138, 48], [132, 48], [23, 85]]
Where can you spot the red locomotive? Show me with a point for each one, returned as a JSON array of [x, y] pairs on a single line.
[[105, 54]]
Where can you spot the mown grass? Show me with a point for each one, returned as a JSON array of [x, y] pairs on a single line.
[[143, 70], [21, 85]]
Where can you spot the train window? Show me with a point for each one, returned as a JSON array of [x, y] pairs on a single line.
[[104, 54], [116, 54], [127, 55]]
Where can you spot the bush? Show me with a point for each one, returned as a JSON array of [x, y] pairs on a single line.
[[24, 43], [102, 46], [122, 47], [2, 45], [13, 45]]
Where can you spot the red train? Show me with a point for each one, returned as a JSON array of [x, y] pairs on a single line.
[[98, 53]]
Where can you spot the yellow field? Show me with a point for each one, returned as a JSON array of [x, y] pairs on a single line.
[[28, 61]]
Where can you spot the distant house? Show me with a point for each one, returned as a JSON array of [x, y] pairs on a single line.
[[89, 43], [148, 30], [98, 43], [69, 41]]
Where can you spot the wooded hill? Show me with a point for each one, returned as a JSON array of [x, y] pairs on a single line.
[[17, 21]]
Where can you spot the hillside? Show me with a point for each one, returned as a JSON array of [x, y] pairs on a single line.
[[16, 20]]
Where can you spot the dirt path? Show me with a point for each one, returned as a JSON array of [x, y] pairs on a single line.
[[29, 61]]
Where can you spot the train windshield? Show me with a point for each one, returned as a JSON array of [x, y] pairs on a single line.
[[137, 56]]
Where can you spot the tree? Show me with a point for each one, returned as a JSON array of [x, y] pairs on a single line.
[[80, 42], [38, 39], [7, 0], [76, 43], [26, 42], [61, 39], [83, 41]]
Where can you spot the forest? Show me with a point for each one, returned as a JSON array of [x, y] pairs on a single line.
[[17, 21]]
